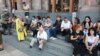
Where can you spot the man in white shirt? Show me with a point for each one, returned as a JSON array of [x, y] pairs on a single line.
[[41, 38], [65, 26]]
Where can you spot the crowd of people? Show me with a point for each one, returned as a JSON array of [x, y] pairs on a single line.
[[85, 36]]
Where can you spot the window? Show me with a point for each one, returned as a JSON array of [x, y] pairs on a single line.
[[63, 5], [76, 5]]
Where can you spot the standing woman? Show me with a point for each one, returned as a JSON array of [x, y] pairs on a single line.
[[20, 29], [87, 23], [91, 42], [77, 41]]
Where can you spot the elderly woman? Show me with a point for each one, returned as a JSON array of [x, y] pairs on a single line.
[[20, 29]]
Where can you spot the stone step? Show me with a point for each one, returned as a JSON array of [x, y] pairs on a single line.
[[58, 49]]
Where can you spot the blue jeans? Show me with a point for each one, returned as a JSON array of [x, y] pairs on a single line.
[[53, 32], [48, 32]]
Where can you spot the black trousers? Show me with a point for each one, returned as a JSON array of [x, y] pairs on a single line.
[[34, 32], [1, 41], [99, 46], [26, 13], [9, 28], [5, 27], [27, 26], [94, 52], [65, 32], [79, 48]]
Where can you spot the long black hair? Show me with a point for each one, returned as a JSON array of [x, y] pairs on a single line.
[[89, 34], [84, 22]]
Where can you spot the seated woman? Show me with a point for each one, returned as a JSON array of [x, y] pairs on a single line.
[[41, 37], [47, 25], [87, 23], [56, 28], [57, 24], [91, 42], [77, 38], [97, 27]]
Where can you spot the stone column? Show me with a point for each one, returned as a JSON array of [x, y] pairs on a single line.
[[88, 5], [2, 5], [53, 2], [91, 2], [9, 5], [36, 5], [45, 5], [71, 5], [19, 4]]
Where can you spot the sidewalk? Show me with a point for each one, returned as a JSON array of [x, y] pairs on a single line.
[[11, 51]]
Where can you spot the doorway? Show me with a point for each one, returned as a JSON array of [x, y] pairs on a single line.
[[13, 4]]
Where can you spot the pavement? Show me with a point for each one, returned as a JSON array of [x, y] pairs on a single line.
[[57, 47], [11, 51], [12, 47]]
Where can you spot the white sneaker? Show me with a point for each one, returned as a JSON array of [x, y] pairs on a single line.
[[52, 38]]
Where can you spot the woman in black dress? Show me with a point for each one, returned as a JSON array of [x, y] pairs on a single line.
[[77, 38]]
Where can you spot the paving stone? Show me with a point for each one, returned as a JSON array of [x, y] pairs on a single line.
[[52, 48]]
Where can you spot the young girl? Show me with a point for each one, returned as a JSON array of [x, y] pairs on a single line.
[[91, 42]]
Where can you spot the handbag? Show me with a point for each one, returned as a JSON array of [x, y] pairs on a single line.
[[1, 30], [20, 29]]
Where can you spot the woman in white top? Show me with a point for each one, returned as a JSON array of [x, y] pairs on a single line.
[[91, 42]]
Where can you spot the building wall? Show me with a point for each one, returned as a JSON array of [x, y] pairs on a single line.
[[40, 7], [89, 8]]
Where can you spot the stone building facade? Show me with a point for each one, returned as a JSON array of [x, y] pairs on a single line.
[[36, 5], [49, 5], [62, 7]]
